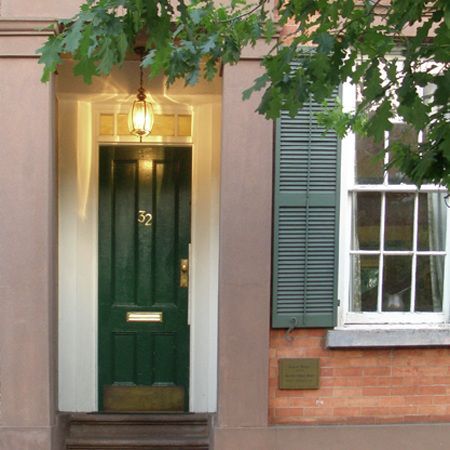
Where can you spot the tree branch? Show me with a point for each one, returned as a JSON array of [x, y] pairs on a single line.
[[245, 14]]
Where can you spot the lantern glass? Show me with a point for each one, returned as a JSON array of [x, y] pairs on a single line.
[[140, 118]]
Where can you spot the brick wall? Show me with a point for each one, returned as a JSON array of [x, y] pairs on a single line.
[[361, 385]]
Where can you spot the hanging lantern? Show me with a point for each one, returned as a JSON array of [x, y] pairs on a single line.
[[141, 116]]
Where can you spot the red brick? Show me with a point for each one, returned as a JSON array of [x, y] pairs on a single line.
[[377, 371], [405, 371], [395, 381], [334, 401], [378, 391], [361, 386], [273, 382], [418, 400], [363, 401], [402, 410], [342, 381], [399, 400], [288, 412], [441, 400], [347, 412], [434, 371], [363, 362], [445, 380], [347, 392], [348, 372], [314, 353], [374, 411], [302, 402], [318, 412], [322, 392], [432, 409], [284, 402], [431, 390], [404, 390]]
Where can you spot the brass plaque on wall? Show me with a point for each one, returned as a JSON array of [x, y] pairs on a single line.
[[299, 373]]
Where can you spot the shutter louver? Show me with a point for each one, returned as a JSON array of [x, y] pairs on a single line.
[[306, 221]]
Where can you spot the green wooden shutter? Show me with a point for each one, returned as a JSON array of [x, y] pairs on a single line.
[[306, 210]]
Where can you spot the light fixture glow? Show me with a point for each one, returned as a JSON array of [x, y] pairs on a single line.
[[141, 116]]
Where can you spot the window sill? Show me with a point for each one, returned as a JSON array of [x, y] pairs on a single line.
[[377, 337]]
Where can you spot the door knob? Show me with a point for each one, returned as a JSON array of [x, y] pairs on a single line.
[[184, 273]]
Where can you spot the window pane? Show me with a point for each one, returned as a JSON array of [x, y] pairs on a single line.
[[365, 271], [399, 221], [366, 226], [429, 283], [404, 134], [432, 222], [397, 283], [369, 167]]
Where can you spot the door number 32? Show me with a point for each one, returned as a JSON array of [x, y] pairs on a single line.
[[145, 218]]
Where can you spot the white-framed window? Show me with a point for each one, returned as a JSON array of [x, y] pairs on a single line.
[[394, 238]]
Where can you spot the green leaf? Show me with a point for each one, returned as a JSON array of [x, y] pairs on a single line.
[[210, 69], [122, 46], [269, 30], [442, 92], [416, 113], [380, 121], [196, 15], [73, 37], [271, 104], [373, 89], [50, 56], [86, 68], [447, 17], [209, 45], [350, 42], [259, 83], [192, 76], [325, 41], [107, 60]]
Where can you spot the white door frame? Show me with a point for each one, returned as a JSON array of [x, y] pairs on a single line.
[[78, 144]]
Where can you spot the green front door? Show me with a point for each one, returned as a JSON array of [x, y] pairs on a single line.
[[144, 233]]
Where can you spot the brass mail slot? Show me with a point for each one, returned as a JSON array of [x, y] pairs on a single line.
[[145, 316]]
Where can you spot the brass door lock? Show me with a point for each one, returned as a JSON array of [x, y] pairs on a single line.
[[184, 273]]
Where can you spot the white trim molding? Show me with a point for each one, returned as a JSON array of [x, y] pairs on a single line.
[[78, 143]]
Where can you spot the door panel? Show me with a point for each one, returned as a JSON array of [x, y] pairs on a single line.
[[144, 232]]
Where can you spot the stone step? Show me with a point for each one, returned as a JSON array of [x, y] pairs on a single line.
[[114, 431], [153, 443], [135, 425]]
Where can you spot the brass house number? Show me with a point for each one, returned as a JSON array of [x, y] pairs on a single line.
[[144, 217]]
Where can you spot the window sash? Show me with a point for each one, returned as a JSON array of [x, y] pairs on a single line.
[[348, 188]]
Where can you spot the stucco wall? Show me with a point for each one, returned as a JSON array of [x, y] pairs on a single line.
[[27, 261], [41, 8], [244, 249], [27, 232]]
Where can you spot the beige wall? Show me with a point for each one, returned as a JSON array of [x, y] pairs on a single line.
[[245, 254], [390, 437], [39, 8], [27, 249]]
